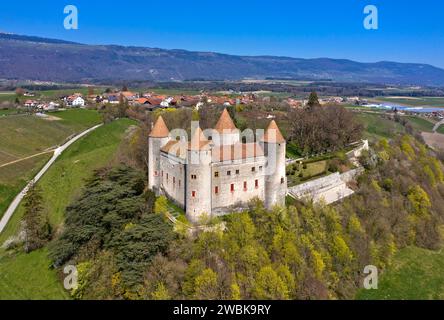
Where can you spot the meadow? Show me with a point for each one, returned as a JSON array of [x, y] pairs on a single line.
[[416, 274], [420, 124], [60, 185], [377, 127]]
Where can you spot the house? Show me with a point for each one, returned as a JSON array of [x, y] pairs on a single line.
[[75, 100], [215, 172], [30, 103], [129, 96]]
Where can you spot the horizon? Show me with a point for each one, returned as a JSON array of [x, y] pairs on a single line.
[[286, 29]]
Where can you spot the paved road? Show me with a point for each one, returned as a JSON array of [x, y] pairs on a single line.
[[57, 152]]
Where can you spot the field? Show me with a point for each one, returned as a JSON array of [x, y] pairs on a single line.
[[420, 124], [416, 274], [29, 135], [376, 127], [435, 140], [62, 183], [413, 101], [28, 276], [440, 129]]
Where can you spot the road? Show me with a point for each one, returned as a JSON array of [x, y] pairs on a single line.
[[57, 152], [438, 125]]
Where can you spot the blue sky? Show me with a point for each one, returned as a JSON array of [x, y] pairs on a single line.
[[409, 31]]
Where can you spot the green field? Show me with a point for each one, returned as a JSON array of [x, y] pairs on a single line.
[[28, 276], [7, 96], [420, 124], [29, 135], [416, 274], [440, 129], [7, 112], [377, 127], [60, 185], [414, 102], [14, 178]]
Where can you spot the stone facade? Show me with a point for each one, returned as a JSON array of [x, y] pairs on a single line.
[[209, 176]]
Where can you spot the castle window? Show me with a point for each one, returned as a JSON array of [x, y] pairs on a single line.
[[162, 173], [193, 194], [156, 173], [228, 173], [256, 184], [168, 176], [282, 180], [174, 180], [260, 168], [253, 169], [193, 177], [216, 174], [216, 190], [232, 187], [237, 171], [245, 186], [180, 182]]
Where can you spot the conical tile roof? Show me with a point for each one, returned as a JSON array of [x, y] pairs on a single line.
[[160, 130], [273, 134]]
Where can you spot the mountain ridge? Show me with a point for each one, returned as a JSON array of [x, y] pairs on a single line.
[[36, 58]]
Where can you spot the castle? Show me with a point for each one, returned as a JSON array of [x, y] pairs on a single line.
[[215, 172]]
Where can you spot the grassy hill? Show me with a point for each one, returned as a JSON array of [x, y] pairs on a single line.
[[60, 185], [27, 135], [420, 124], [416, 274], [377, 127]]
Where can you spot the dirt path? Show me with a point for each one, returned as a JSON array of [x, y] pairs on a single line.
[[26, 158]]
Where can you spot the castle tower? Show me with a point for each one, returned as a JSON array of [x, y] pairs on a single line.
[[198, 177], [274, 146], [158, 138], [226, 130]]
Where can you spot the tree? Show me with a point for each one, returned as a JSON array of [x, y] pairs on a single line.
[[313, 100], [269, 286], [37, 228], [206, 285]]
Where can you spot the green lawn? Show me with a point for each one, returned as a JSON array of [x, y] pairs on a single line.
[[28, 277], [313, 170], [420, 124], [377, 127], [440, 129], [60, 185], [416, 274]]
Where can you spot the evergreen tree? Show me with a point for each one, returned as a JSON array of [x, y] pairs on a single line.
[[313, 100], [36, 224]]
